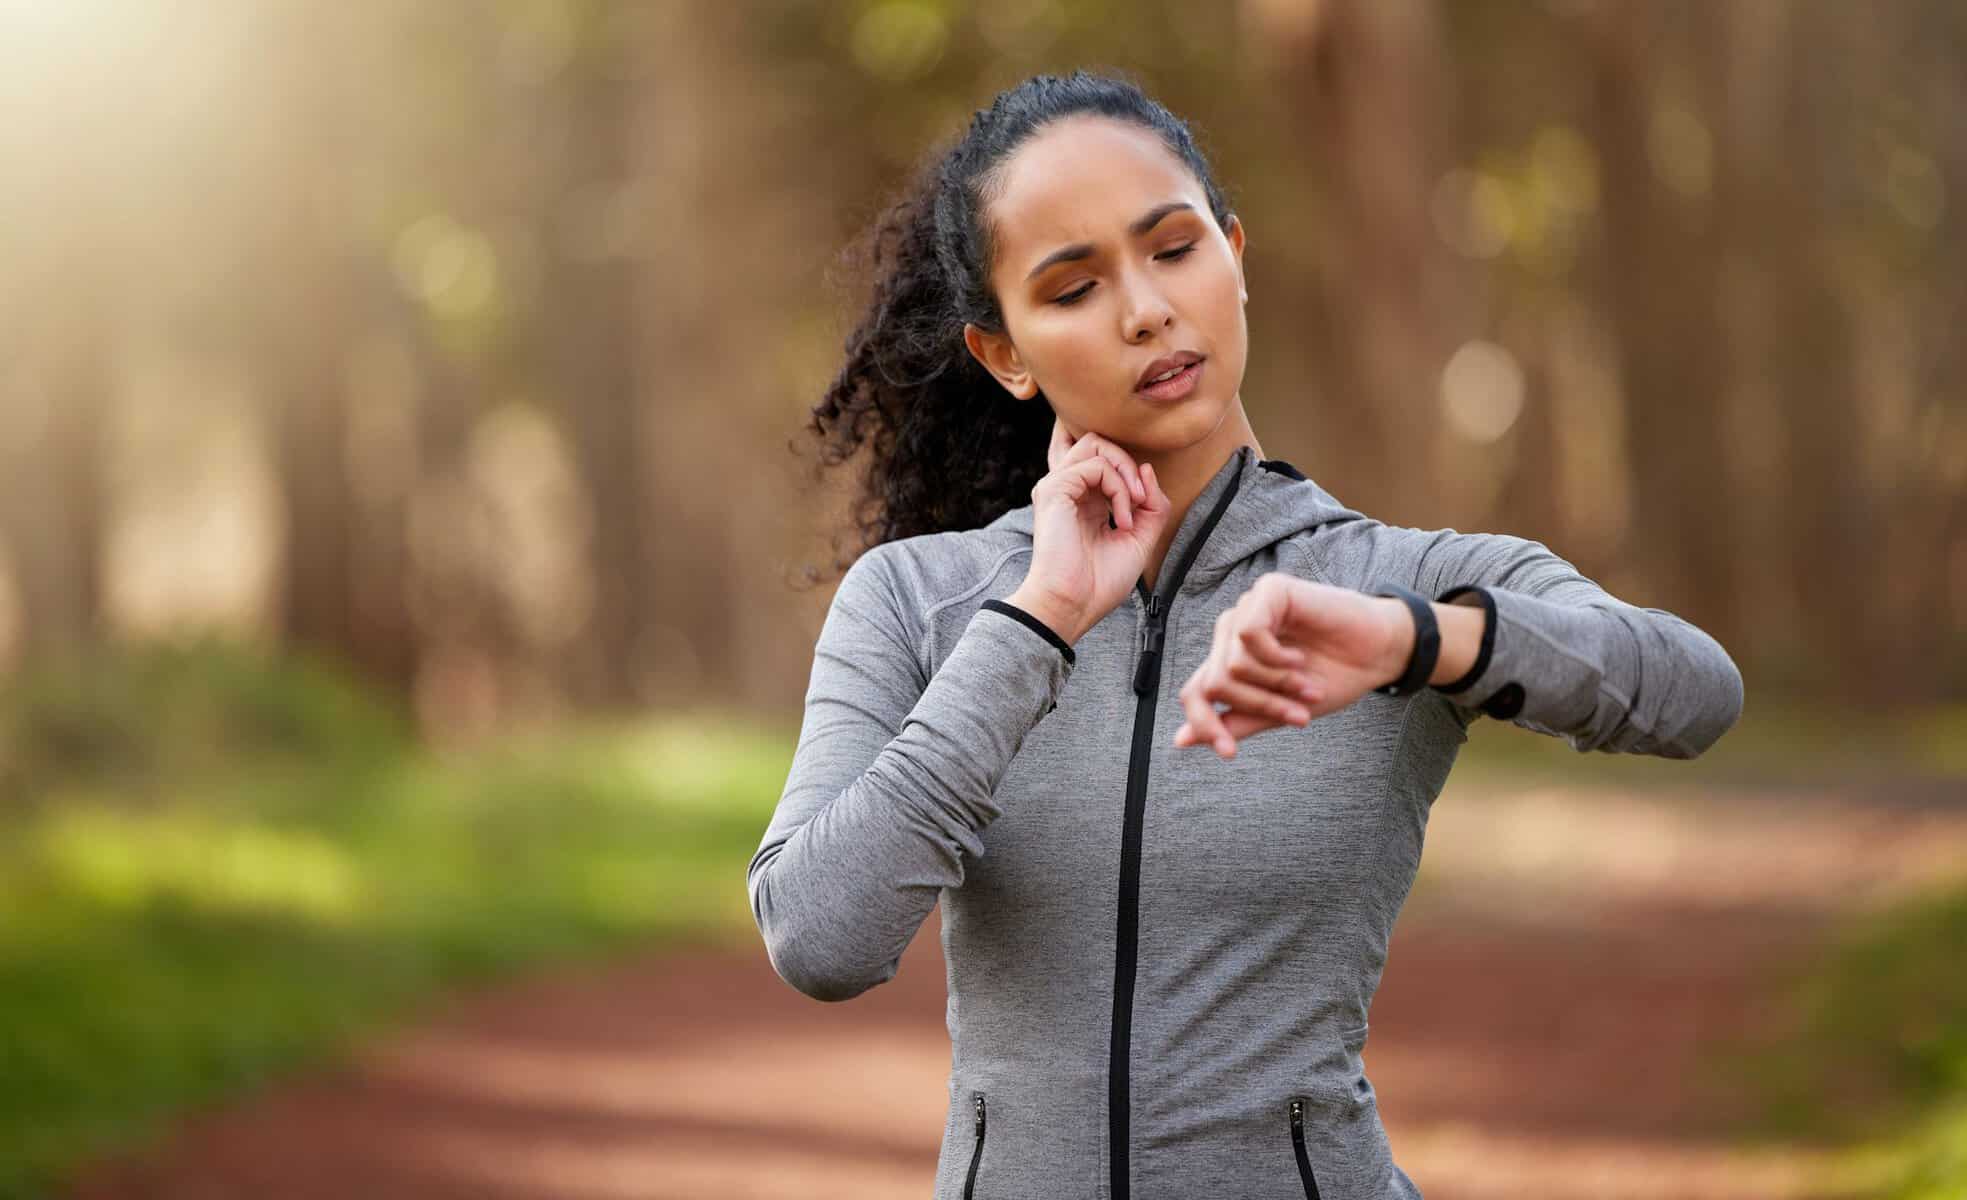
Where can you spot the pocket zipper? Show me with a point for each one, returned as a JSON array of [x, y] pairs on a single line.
[[976, 1152], [1298, 1147]]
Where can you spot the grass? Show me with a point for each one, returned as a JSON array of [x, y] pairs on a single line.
[[1870, 1051], [214, 869]]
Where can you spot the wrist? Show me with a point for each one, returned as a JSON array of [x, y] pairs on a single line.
[[1060, 619], [1416, 644], [1461, 639], [1458, 627], [1400, 636]]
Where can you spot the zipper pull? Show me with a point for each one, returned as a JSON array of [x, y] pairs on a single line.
[[1149, 670], [1297, 1115], [980, 1116]]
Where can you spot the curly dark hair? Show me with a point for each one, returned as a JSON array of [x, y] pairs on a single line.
[[949, 448]]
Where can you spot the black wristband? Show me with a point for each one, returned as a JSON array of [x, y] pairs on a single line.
[[1037, 626], [1427, 642]]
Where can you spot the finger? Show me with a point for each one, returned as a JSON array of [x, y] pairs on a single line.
[[1244, 725], [1093, 443], [1202, 716], [1096, 472], [1116, 491], [1223, 683], [1245, 664], [1151, 513], [1085, 448], [1223, 742], [1263, 645], [1055, 452], [1282, 680], [1118, 496], [1158, 500], [1241, 726], [1248, 698], [1197, 705]]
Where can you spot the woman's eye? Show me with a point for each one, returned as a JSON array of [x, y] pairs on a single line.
[[1073, 297]]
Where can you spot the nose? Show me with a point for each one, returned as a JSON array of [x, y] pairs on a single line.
[[1147, 312]]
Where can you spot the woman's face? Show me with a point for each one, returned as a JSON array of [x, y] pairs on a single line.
[[1105, 260]]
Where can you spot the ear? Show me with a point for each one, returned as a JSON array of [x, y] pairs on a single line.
[[1001, 358], [1235, 235]]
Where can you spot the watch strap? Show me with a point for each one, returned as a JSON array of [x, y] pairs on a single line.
[[1427, 642]]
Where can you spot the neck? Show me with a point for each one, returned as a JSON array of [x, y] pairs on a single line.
[[1185, 472]]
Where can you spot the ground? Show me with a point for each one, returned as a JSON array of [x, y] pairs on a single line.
[[1550, 1024]]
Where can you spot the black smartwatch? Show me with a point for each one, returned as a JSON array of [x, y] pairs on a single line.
[[1427, 642]]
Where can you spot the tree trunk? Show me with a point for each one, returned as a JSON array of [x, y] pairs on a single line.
[[1663, 283]]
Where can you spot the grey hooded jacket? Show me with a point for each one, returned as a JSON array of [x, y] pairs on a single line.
[[1160, 962]]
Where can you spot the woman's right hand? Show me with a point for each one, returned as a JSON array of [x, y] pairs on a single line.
[[1095, 518]]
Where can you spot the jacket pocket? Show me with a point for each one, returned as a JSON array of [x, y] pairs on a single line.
[[976, 1151], [1305, 1174]]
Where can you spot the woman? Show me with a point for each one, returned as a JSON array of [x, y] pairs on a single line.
[[1160, 961]]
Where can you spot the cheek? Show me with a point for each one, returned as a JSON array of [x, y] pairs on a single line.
[[1219, 292], [1068, 357]]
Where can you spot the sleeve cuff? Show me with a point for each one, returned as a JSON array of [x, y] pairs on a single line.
[[1488, 646], [1033, 623], [1525, 672], [1477, 688]]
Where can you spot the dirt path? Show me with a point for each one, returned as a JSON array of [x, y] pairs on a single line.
[[1541, 1032]]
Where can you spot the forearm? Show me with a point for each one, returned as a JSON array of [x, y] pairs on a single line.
[[1560, 655], [846, 874], [1577, 669]]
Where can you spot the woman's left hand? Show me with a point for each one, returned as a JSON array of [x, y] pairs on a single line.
[[1288, 652]]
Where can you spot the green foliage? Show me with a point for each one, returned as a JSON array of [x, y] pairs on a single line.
[[299, 875], [138, 717], [1872, 1049]]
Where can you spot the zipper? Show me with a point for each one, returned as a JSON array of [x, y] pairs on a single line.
[[1126, 939], [1298, 1147], [1153, 630], [976, 1151]]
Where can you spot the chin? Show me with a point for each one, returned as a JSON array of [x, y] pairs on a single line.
[[1185, 424]]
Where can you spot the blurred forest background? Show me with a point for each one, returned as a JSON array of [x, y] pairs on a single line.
[[463, 342], [401, 419]]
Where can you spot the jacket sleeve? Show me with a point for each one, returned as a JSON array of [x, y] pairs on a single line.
[[892, 781], [1562, 656]]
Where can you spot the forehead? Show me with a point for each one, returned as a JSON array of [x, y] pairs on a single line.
[[1082, 179]]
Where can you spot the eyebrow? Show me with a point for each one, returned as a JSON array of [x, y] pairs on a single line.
[[1148, 220]]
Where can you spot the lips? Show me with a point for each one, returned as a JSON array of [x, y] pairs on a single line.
[[1171, 362]]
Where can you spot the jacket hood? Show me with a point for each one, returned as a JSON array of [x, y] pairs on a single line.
[[1261, 502]]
